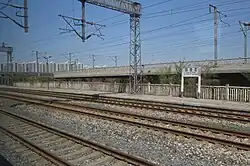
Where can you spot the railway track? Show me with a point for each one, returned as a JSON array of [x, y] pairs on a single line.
[[23, 149], [232, 115], [210, 134], [60, 148]]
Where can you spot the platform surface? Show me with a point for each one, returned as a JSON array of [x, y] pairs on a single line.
[[220, 104]]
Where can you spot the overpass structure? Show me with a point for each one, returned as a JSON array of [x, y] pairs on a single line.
[[236, 65]]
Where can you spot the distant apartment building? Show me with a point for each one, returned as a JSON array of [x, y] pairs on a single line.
[[31, 67]]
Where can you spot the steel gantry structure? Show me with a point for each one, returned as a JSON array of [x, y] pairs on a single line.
[[134, 10]]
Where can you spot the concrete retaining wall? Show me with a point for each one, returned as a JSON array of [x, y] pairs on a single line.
[[153, 89], [231, 93]]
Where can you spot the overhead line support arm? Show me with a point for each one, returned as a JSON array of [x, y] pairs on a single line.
[[124, 6]]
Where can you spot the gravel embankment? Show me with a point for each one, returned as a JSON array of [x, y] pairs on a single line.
[[163, 148], [212, 122]]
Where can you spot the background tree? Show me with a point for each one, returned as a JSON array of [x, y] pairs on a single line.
[[165, 75], [171, 74]]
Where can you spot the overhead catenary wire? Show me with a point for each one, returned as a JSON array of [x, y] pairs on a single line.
[[199, 40], [185, 31], [182, 23], [5, 5], [125, 43], [118, 37], [204, 1], [73, 9], [146, 7], [153, 30], [171, 12], [172, 47], [111, 38], [197, 4], [187, 47], [122, 14]]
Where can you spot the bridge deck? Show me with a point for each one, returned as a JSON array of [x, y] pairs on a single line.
[[154, 69]]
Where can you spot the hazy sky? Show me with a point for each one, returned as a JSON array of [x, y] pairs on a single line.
[[171, 30]]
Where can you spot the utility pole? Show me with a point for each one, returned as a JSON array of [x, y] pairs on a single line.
[[217, 15], [76, 64], [24, 8], [83, 20], [244, 26], [37, 63], [25, 5], [70, 62], [47, 62], [93, 61], [215, 32], [8, 63], [69, 58], [153, 59], [115, 59]]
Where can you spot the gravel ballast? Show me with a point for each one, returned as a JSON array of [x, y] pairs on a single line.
[[212, 122], [8, 149], [163, 148], [168, 115]]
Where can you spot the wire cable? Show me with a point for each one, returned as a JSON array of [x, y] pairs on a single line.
[[5, 5]]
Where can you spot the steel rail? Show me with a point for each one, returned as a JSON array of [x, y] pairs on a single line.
[[239, 116], [134, 160], [149, 118], [73, 108], [42, 152], [152, 104]]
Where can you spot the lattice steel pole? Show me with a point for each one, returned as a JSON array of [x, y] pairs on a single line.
[[135, 55]]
